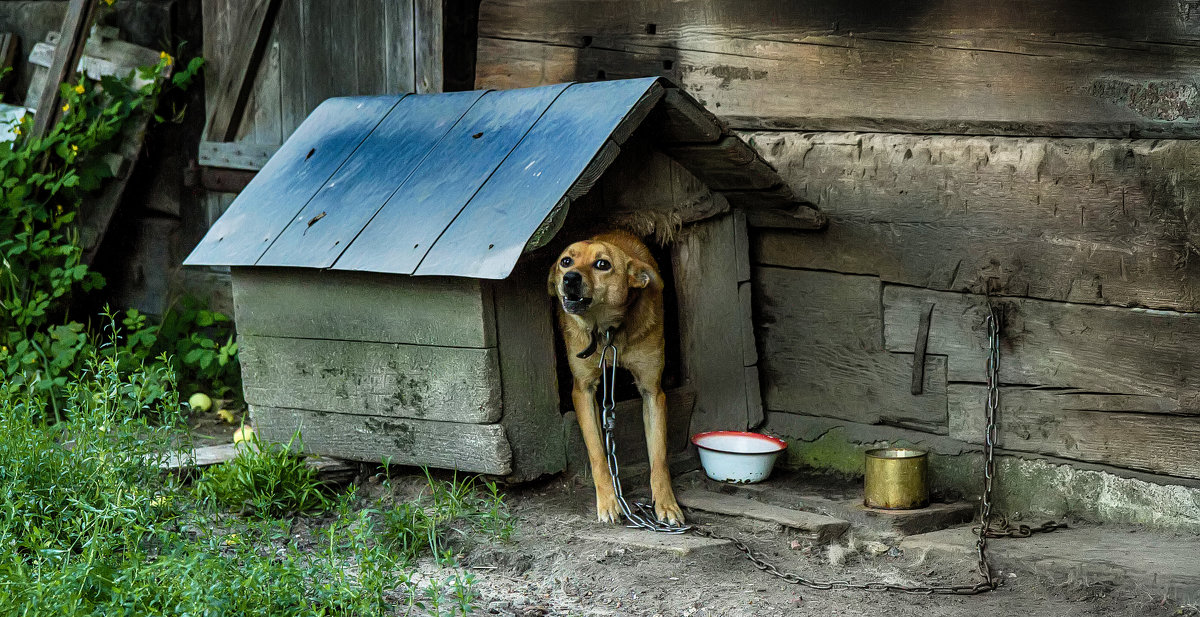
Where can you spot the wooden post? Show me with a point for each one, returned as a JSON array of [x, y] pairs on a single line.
[[62, 68]]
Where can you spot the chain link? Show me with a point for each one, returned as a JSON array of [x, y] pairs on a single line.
[[642, 515]]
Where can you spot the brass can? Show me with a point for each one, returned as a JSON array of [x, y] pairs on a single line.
[[896, 479]]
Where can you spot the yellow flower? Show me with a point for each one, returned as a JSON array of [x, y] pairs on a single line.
[[74, 148], [109, 2], [59, 207], [79, 89], [66, 107], [17, 130], [166, 56], [3, 348]]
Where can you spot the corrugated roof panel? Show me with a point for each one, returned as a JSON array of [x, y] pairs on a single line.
[[489, 235], [302, 165], [336, 215], [402, 232]]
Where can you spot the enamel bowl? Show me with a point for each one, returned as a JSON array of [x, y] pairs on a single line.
[[738, 457]]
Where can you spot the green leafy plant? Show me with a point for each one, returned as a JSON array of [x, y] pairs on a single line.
[[43, 182], [201, 343], [265, 480], [423, 525]]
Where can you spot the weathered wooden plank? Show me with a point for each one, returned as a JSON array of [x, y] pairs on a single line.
[[746, 323], [236, 155], [322, 71], [525, 331], [450, 312], [1091, 221], [428, 201], [821, 527], [289, 180], [754, 403], [428, 43], [399, 53], [1055, 344], [370, 56], [741, 245], [78, 19], [920, 346], [247, 42], [451, 384], [583, 116], [908, 69], [263, 121], [705, 270], [475, 448], [290, 33], [822, 353], [383, 162], [765, 209], [1081, 426]]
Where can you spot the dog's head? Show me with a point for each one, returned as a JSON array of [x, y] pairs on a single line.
[[595, 273]]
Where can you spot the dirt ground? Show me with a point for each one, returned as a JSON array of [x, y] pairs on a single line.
[[546, 571]]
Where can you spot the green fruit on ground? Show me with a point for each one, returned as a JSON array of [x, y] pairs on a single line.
[[200, 402]]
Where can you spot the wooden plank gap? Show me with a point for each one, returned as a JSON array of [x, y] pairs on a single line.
[[233, 91], [918, 371]]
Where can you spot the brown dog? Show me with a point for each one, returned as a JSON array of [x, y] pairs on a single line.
[[612, 281]]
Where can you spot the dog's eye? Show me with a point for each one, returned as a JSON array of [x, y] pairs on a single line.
[[602, 264], [566, 262]]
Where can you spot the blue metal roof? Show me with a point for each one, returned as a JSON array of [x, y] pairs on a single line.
[[439, 184]]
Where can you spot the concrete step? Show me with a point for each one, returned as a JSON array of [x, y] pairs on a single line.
[[1160, 563], [681, 544], [820, 527]]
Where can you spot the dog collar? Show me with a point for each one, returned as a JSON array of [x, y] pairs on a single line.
[[595, 342]]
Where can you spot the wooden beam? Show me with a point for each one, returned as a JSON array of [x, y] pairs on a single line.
[[236, 155], [1097, 221], [252, 30], [66, 57], [953, 67], [221, 180], [474, 448], [9, 43]]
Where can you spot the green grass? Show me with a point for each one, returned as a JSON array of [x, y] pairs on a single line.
[[90, 526]]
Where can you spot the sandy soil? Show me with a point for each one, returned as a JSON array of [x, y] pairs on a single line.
[[546, 571]]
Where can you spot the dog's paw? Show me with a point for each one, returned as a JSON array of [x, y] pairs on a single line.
[[668, 511], [607, 510]]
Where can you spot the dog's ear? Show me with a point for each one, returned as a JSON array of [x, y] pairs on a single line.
[[552, 281], [641, 275]]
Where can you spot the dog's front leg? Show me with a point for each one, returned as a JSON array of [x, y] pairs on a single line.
[[654, 419], [584, 397]]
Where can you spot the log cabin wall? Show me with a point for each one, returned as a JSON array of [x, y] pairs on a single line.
[[1043, 152]]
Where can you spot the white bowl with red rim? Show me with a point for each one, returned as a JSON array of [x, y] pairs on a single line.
[[737, 456]]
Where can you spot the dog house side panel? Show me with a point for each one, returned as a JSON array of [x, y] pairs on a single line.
[[525, 329], [453, 384], [474, 448], [360, 306]]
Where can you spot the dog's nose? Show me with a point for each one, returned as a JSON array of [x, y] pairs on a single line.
[[572, 278]]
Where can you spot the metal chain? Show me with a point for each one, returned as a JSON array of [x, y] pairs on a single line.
[[639, 515], [644, 517]]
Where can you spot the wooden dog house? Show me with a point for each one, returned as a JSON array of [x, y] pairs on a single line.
[[389, 266]]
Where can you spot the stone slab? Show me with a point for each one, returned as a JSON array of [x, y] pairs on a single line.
[[682, 544], [823, 528], [1161, 563]]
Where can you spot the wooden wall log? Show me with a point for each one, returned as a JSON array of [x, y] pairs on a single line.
[[1061, 345], [353, 306], [475, 448], [950, 68], [1081, 426], [822, 353], [1080, 220], [452, 384]]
